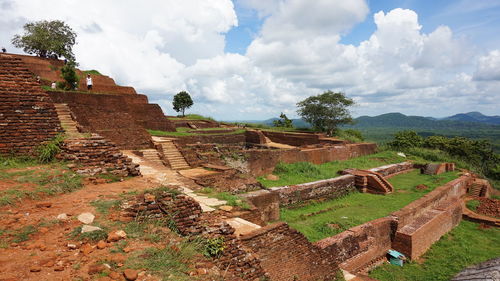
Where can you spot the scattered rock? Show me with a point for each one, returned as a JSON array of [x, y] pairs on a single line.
[[90, 228], [202, 271], [35, 268], [114, 275], [96, 268], [401, 154], [421, 187], [101, 244], [86, 218], [226, 208], [71, 246], [44, 205], [148, 198], [59, 268], [62, 217], [86, 249], [116, 236], [272, 177], [130, 274]]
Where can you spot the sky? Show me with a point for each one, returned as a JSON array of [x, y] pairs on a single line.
[[253, 59]]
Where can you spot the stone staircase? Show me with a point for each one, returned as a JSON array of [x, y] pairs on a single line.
[[173, 155], [67, 123], [152, 156], [371, 182]]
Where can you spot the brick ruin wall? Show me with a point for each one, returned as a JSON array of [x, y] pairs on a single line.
[[96, 155], [263, 161], [120, 118], [393, 169], [27, 115], [286, 254], [185, 216], [200, 124], [294, 139]]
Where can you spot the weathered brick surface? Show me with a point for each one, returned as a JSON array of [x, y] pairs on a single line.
[[122, 119], [286, 254], [415, 238], [357, 247], [329, 188], [393, 169], [27, 115], [96, 155]]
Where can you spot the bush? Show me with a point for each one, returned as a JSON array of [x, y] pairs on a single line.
[[350, 135], [68, 73], [48, 151], [406, 139]]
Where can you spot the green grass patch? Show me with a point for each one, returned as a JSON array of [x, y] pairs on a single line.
[[303, 172], [231, 199], [92, 72], [7, 163], [465, 245], [93, 236], [192, 117], [319, 220], [104, 206], [473, 204], [24, 234]]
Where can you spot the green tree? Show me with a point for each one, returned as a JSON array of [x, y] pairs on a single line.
[[182, 101], [68, 73], [283, 121], [47, 38], [327, 111], [406, 139]]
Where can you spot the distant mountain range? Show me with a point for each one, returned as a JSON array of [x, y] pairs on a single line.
[[399, 120]]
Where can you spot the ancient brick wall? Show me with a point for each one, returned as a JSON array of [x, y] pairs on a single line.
[[254, 137], [200, 124], [266, 202], [285, 254], [95, 155], [27, 115], [393, 169], [295, 139], [410, 212], [120, 118], [329, 188], [357, 247], [415, 238], [262, 162], [233, 139]]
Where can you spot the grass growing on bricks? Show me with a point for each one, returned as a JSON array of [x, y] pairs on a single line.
[[318, 220], [465, 245]]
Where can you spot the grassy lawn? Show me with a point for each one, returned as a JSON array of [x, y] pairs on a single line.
[[185, 132], [192, 117], [464, 246], [319, 220], [303, 172]]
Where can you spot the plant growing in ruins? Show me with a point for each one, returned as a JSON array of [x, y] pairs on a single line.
[[182, 101], [213, 247], [47, 39], [49, 150], [283, 122], [327, 111], [68, 73]]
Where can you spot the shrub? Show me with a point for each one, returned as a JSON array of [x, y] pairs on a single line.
[[213, 247], [406, 139], [48, 151]]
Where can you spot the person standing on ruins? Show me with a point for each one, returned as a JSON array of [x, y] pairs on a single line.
[[53, 85], [89, 82]]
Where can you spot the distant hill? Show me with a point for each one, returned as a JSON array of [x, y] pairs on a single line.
[[475, 117]]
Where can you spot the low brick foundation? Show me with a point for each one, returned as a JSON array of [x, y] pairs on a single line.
[[95, 155], [285, 254]]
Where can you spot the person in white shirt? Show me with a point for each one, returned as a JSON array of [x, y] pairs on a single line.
[[89, 82], [53, 86]]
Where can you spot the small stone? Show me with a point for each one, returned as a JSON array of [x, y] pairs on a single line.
[[148, 198], [86, 249], [226, 208], [121, 233], [90, 228], [272, 177], [96, 268], [59, 268], [114, 275], [71, 246], [62, 217], [401, 154], [101, 244], [86, 218], [130, 274], [202, 271], [35, 268], [116, 236], [44, 205]]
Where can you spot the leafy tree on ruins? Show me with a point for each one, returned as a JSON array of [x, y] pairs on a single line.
[[47, 38], [68, 73], [182, 101], [283, 121], [327, 111]]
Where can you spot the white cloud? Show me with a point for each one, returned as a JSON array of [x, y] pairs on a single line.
[[488, 67], [163, 47]]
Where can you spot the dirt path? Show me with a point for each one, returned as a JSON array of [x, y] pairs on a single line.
[[45, 255]]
